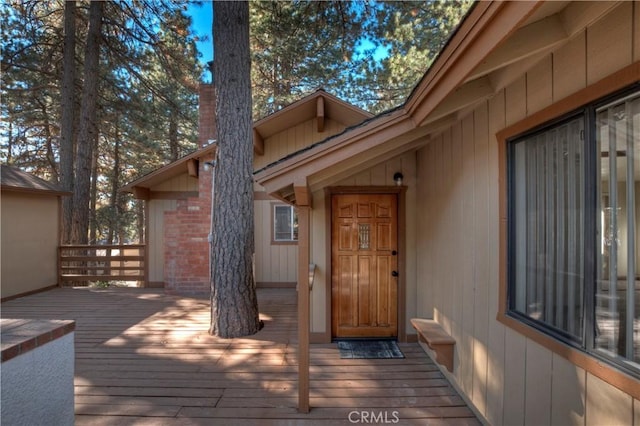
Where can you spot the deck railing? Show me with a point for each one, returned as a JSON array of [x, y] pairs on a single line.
[[101, 263]]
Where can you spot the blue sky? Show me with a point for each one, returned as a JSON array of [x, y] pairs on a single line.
[[202, 21]]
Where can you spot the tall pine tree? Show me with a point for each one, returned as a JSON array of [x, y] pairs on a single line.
[[234, 304]]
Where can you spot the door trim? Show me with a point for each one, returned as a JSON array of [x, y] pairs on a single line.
[[400, 191]]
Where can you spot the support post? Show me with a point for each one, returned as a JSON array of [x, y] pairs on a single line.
[[303, 307]]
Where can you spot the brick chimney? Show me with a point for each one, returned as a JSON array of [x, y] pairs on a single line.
[[207, 114], [186, 229]]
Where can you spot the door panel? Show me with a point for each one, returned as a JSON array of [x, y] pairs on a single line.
[[364, 292]]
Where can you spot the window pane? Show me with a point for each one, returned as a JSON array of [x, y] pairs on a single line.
[[547, 187], [285, 226], [618, 289]]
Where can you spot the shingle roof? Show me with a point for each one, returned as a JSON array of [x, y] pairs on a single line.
[[14, 179]]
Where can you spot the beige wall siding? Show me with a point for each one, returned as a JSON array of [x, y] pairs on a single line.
[[496, 339], [294, 139], [509, 378], [607, 405], [604, 49], [155, 233], [30, 232], [182, 182], [156, 237], [274, 262], [568, 381], [321, 293]]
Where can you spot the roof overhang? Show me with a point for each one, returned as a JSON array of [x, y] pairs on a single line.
[[320, 105], [187, 164], [16, 180], [494, 45]]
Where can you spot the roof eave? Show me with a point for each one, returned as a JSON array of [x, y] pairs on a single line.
[[167, 171], [487, 24]]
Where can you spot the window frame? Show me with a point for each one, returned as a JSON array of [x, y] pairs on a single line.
[[274, 240], [600, 92], [586, 341], [581, 113]]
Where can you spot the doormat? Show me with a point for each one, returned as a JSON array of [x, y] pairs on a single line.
[[369, 349]]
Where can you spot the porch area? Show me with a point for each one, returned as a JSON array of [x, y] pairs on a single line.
[[145, 358]]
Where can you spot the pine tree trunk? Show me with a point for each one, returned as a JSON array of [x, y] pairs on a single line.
[[67, 115], [234, 305], [88, 128]]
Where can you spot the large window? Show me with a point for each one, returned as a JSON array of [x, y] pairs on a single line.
[[285, 224], [574, 257]]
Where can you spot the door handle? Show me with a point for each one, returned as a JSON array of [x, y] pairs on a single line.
[[394, 253], [394, 273]]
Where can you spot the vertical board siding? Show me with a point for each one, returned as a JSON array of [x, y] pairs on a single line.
[[318, 256], [567, 393], [604, 50], [294, 139], [539, 86], [496, 339], [607, 405], [466, 240], [274, 263], [481, 250], [569, 68], [538, 379], [156, 233], [515, 363], [509, 379]]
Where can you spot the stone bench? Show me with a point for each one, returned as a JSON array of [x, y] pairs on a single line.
[[438, 340]]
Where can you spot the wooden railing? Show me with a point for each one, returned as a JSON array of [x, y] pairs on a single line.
[[101, 263]]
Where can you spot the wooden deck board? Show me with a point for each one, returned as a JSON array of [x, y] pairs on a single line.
[[145, 358]]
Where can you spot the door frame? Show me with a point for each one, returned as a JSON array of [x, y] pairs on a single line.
[[400, 192]]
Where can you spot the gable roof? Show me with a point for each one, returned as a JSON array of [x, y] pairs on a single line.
[[494, 44], [319, 104], [168, 171], [15, 180]]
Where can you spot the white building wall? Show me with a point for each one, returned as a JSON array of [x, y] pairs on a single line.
[[37, 386]]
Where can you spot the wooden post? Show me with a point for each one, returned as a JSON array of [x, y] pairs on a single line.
[[303, 307]]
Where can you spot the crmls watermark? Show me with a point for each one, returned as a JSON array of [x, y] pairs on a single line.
[[374, 417]]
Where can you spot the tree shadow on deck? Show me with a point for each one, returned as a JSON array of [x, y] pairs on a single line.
[[143, 357]]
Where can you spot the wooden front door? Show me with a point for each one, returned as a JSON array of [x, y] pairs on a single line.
[[364, 259]]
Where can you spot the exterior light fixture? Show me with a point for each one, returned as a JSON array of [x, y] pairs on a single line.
[[209, 165], [398, 178]]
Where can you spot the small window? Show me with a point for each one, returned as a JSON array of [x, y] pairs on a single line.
[[285, 224], [574, 231]]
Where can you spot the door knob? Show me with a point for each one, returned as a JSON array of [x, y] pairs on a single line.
[[394, 273], [394, 253]]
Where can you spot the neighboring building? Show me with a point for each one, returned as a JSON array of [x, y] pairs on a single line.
[[178, 196], [516, 224], [30, 210]]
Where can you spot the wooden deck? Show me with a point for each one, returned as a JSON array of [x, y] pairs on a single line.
[[145, 358]]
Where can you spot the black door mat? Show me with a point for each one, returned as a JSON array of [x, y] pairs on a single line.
[[369, 349]]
